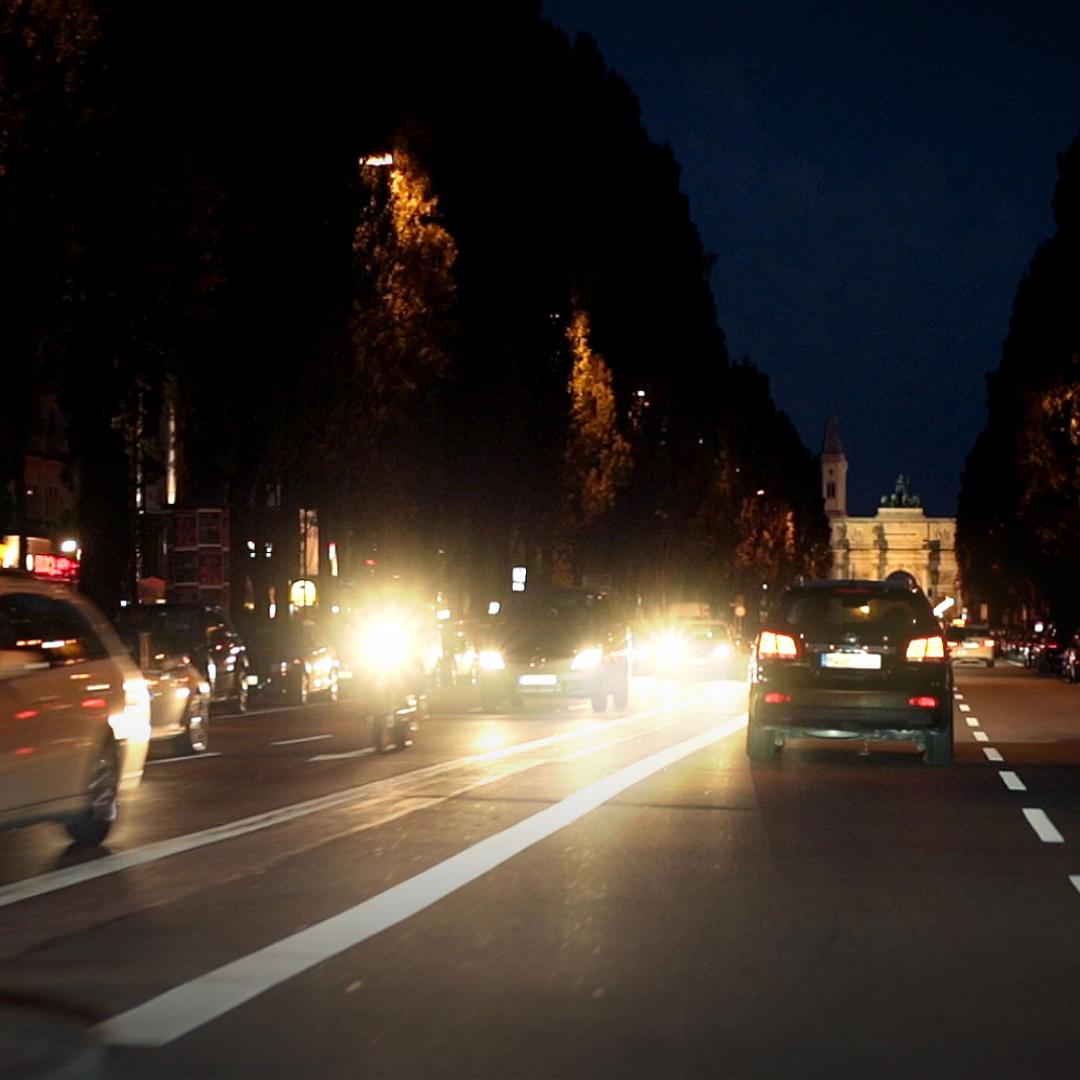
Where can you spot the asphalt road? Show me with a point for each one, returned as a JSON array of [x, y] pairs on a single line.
[[545, 893]]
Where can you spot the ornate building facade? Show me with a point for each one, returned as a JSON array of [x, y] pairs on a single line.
[[900, 536]]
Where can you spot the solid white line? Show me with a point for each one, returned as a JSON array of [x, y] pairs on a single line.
[[992, 754], [972, 721], [306, 738], [1012, 781], [981, 736], [344, 754], [111, 864], [190, 1005], [1043, 826], [964, 708], [185, 757]]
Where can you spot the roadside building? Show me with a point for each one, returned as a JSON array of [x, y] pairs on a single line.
[[900, 536]]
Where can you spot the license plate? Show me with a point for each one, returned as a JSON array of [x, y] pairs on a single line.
[[538, 680], [859, 661]]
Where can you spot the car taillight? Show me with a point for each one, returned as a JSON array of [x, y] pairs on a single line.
[[773, 646], [923, 702], [926, 648], [774, 697], [988, 643]]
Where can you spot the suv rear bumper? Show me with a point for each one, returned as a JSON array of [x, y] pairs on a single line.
[[856, 712]]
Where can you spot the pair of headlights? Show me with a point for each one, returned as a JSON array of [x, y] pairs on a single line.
[[491, 660]]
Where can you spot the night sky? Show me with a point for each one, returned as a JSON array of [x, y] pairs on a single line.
[[873, 180]]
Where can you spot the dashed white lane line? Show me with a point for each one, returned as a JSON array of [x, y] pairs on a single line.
[[1075, 879], [185, 757], [972, 721], [959, 696], [344, 754], [1011, 780], [964, 708], [992, 754], [306, 738], [1043, 826], [190, 1005], [980, 736]]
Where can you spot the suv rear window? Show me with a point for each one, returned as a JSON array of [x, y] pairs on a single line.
[[851, 608]]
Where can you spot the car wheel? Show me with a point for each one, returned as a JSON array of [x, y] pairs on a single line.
[[196, 735], [489, 703], [760, 743], [599, 702], [379, 732], [989, 663], [402, 732], [303, 689], [333, 694], [939, 747], [240, 701], [103, 802]]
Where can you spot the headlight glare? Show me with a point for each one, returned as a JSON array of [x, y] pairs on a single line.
[[491, 660], [587, 659]]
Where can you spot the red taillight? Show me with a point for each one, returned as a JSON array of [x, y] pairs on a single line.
[[924, 702], [774, 697], [773, 646], [926, 648]]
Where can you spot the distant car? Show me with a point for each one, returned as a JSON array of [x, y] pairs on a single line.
[[205, 635], [685, 647], [290, 661], [1047, 650], [74, 711], [851, 659], [179, 695], [971, 645], [557, 644]]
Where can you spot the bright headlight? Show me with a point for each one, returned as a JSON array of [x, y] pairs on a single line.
[[586, 659], [722, 651], [386, 645], [490, 660], [671, 649]]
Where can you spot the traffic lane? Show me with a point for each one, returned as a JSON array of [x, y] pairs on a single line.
[[164, 872], [128, 959], [827, 915], [258, 765], [1031, 724]]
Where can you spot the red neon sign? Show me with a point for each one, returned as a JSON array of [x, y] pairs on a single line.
[[56, 567]]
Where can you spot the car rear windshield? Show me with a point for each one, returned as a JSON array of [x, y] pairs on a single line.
[[853, 609]]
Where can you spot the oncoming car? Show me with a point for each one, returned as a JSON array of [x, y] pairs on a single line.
[[557, 644], [680, 648], [851, 660]]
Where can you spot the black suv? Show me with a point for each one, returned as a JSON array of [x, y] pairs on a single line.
[[851, 659]]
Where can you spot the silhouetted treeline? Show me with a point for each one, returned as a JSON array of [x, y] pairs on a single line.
[[186, 217], [1018, 529]]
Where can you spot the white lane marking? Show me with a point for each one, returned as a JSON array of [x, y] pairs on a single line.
[[306, 738], [343, 754], [186, 1007], [1075, 879], [972, 721], [964, 708], [1012, 781], [1043, 826], [959, 696], [185, 757], [111, 864], [981, 736], [992, 754]]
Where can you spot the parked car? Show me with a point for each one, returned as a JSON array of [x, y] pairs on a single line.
[[74, 711], [558, 643], [851, 659], [179, 694], [1047, 650], [971, 645], [291, 660], [206, 636]]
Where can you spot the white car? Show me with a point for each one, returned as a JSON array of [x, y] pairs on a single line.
[[971, 645], [74, 711]]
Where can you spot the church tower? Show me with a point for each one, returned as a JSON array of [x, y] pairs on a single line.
[[834, 471]]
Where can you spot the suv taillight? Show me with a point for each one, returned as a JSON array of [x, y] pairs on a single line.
[[773, 646], [926, 648]]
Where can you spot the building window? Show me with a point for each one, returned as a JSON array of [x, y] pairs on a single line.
[[830, 490]]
